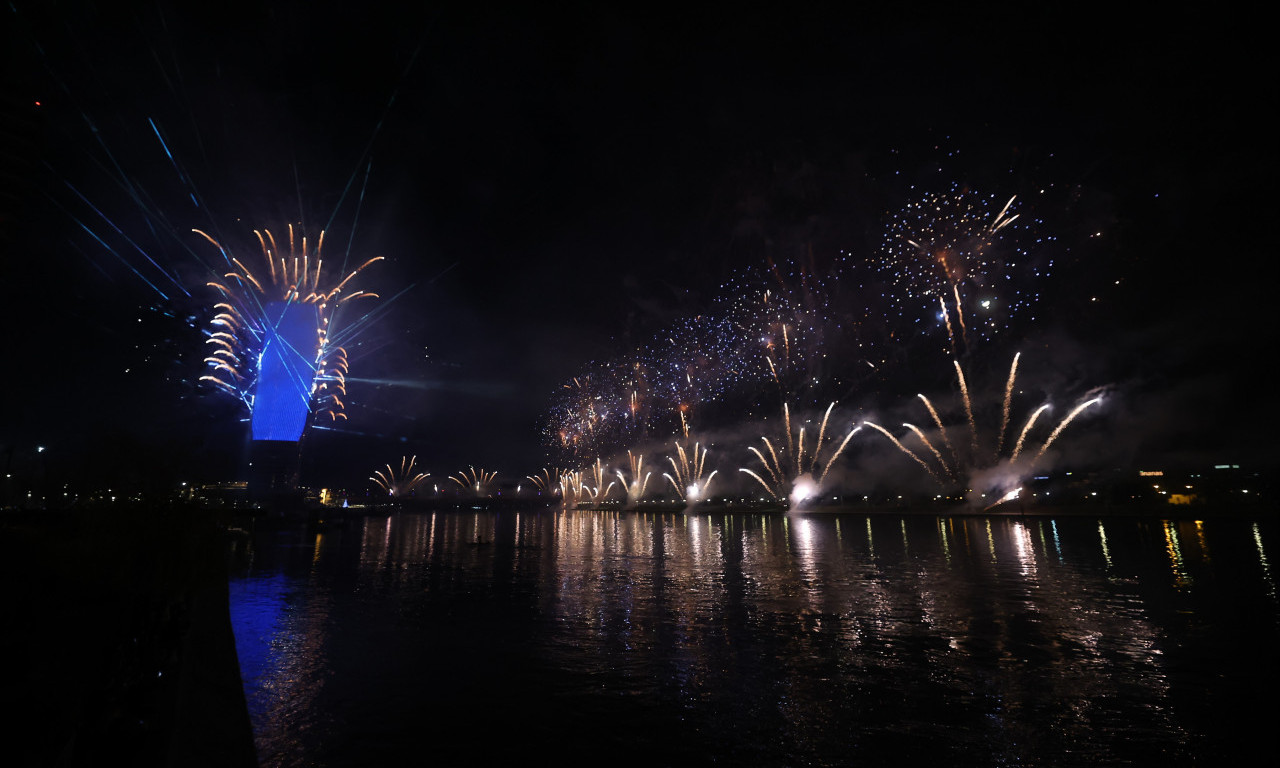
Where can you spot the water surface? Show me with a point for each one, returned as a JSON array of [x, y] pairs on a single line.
[[580, 637]]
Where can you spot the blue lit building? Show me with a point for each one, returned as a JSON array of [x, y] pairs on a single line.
[[282, 396], [286, 371]]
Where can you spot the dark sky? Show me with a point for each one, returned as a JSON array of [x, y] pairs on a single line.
[[553, 185]]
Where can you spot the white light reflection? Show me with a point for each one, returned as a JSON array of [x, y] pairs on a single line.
[[1106, 553], [1025, 552], [804, 534], [808, 561], [1204, 542], [1180, 576], [1262, 558], [695, 538]]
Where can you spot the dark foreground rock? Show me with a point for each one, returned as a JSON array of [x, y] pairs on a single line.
[[119, 641]]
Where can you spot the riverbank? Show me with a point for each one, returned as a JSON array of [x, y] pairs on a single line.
[[1015, 508], [120, 640]]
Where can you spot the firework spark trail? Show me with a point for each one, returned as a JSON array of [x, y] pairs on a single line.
[[838, 451], [1008, 398], [772, 473], [968, 407], [548, 481], [1010, 496], [941, 429], [822, 431], [786, 418], [636, 464], [904, 449], [402, 483], [772, 454], [930, 446], [596, 495], [1022, 436], [964, 330], [951, 337], [684, 459], [1000, 222], [1063, 424], [636, 488], [598, 473], [760, 480], [571, 487]]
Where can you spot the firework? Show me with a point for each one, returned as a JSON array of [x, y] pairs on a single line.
[[596, 491], [688, 482], [966, 468], [596, 412], [792, 477], [572, 489], [636, 487], [783, 325], [765, 337], [273, 345], [975, 257], [474, 480], [402, 483], [954, 264], [548, 481], [697, 360]]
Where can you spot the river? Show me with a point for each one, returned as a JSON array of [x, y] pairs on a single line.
[[576, 637]]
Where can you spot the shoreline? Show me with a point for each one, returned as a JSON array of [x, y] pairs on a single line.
[[335, 515]]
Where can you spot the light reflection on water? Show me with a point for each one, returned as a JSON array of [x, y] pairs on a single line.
[[760, 639]]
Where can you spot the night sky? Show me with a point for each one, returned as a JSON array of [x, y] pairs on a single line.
[[553, 186]]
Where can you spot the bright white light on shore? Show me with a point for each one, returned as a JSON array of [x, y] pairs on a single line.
[[803, 490]]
